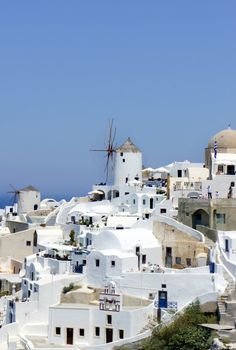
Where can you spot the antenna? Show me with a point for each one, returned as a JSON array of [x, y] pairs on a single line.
[[109, 148]]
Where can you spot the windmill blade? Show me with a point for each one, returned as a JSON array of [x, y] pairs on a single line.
[[113, 139], [110, 131], [14, 189], [14, 199], [109, 148], [98, 150]]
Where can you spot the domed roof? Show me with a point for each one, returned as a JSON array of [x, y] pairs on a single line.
[[225, 139]]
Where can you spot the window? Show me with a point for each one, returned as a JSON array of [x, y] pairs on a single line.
[[179, 173], [151, 203], [178, 260], [220, 218], [151, 296], [84, 262], [35, 239], [220, 168], [109, 319], [81, 332], [121, 333], [121, 154], [144, 259], [144, 201], [133, 201], [97, 262], [232, 184], [163, 211], [188, 261], [58, 331], [97, 331], [123, 160], [28, 243], [126, 193], [113, 263], [163, 286], [126, 180], [227, 245]]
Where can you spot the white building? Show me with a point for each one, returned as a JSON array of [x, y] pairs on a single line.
[[116, 251], [85, 320], [220, 159], [28, 200]]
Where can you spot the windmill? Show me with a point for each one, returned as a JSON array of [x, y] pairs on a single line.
[[109, 149], [15, 193]]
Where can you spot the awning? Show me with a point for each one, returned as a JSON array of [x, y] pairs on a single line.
[[161, 170], [96, 192], [148, 170]]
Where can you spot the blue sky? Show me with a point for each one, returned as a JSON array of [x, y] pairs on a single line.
[[164, 70]]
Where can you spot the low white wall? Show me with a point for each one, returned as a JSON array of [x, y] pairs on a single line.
[[181, 287], [229, 265], [9, 330], [37, 329]]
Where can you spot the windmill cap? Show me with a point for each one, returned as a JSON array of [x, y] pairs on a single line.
[[28, 189], [128, 146]]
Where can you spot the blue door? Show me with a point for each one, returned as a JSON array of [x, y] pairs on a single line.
[[162, 297]]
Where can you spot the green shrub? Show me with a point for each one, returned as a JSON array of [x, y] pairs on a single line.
[[184, 333], [68, 288]]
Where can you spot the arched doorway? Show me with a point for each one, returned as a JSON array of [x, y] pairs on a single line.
[[99, 195], [200, 217]]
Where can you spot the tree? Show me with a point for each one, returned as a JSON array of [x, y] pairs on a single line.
[[72, 237]]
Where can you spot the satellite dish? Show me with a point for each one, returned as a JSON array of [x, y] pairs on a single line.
[[22, 273]]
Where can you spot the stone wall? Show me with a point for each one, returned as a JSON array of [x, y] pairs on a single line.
[[182, 245]]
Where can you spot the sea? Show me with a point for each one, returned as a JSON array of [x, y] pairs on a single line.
[[9, 199]]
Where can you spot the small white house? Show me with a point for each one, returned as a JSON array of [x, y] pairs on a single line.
[[116, 251], [109, 319]]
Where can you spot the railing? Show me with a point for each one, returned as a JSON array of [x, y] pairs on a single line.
[[25, 342], [170, 305]]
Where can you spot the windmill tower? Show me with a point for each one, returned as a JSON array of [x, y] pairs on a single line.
[[128, 163], [27, 198]]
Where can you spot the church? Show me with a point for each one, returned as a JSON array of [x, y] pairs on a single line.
[[215, 208]]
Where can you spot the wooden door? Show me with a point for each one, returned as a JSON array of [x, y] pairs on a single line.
[[109, 335], [69, 336]]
